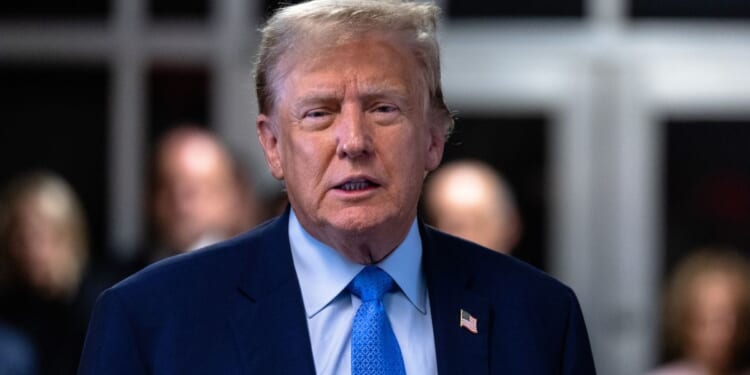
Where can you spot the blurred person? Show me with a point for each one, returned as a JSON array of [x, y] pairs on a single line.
[[201, 193], [44, 235], [347, 280], [469, 199], [44, 255], [706, 315]]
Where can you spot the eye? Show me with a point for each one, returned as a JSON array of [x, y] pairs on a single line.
[[385, 113], [316, 119], [385, 108], [317, 114]]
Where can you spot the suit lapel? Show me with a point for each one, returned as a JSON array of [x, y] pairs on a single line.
[[449, 283], [270, 325]]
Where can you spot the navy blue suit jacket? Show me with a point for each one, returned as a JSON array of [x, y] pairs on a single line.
[[236, 308]]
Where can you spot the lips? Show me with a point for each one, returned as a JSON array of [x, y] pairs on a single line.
[[357, 184]]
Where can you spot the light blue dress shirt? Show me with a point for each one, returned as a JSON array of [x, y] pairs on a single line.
[[324, 273]]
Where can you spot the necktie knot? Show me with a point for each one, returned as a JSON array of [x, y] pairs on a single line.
[[371, 284]]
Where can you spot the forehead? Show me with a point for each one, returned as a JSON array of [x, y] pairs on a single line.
[[378, 62]]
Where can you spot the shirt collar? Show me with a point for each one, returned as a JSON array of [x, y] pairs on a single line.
[[310, 256]]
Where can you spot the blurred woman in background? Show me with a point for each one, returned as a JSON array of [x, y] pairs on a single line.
[[706, 315], [43, 259]]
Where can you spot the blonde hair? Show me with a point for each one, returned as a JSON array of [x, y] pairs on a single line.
[[678, 298], [340, 20], [56, 199]]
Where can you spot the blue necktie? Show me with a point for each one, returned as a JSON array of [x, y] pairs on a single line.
[[375, 350]]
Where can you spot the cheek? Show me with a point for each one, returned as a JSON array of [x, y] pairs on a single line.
[[305, 158], [419, 148], [406, 160]]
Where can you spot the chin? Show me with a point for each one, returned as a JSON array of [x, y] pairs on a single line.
[[360, 220], [356, 225]]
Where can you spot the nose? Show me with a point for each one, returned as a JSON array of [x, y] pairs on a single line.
[[354, 139]]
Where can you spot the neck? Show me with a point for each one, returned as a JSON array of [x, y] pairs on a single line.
[[363, 247], [362, 250]]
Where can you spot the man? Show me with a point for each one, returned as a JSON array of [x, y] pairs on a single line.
[[347, 280], [199, 193], [468, 199]]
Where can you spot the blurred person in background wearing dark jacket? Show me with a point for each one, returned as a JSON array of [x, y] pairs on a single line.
[[46, 290], [706, 315]]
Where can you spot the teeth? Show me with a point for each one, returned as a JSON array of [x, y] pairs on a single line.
[[351, 186]]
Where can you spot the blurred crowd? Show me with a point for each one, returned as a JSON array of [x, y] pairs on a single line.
[[200, 193]]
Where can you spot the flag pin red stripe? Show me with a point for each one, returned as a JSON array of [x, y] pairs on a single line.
[[468, 321]]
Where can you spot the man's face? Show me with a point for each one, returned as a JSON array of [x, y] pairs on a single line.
[[351, 138], [196, 196]]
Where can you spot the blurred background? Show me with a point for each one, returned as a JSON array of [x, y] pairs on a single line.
[[621, 126]]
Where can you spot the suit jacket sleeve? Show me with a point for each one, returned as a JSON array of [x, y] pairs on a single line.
[[578, 358], [110, 346]]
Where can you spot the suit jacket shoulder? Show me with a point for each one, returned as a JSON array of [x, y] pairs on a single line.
[[527, 321]]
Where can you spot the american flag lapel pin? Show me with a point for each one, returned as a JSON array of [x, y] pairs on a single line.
[[468, 321]]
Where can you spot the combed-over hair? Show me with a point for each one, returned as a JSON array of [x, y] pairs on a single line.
[[335, 21]]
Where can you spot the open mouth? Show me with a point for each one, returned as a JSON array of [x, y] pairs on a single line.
[[357, 185]]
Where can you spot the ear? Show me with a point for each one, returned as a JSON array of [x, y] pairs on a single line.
[[435, 147], [269, 140]]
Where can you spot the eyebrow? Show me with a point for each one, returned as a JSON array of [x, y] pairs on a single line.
[[317, 95], [376, 90], [368, 92]]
